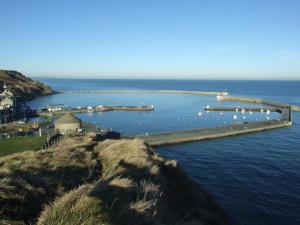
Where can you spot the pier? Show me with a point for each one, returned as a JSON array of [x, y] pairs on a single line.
[[246, 109], [62, 110], [260, 101], [176, 137]]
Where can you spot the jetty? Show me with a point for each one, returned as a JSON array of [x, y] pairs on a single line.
[[246, 109], [177, 137], [260, 101], [63, 110]]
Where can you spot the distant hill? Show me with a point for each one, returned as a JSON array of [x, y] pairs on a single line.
[[23, 86]]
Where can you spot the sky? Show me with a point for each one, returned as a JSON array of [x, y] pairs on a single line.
[[150, 39]]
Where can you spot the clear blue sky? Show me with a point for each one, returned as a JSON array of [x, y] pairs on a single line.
[[254, 39]]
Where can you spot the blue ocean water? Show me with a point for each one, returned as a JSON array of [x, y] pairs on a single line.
[[255, 177]]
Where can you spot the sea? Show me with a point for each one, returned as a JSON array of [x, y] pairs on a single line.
[[255, 178]]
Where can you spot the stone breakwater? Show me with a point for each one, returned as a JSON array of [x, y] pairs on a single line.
[[146, 91], [260, 101], [220, 96], [177, 137]]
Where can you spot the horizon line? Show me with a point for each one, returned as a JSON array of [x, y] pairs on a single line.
[[146, 78]]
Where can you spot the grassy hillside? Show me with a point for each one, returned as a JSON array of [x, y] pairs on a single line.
[[115, 182], [23, 86]]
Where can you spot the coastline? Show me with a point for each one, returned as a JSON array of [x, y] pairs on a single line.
[[233, 98]]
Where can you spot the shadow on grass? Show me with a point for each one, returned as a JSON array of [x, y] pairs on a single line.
[[169, 197], [23, 193]]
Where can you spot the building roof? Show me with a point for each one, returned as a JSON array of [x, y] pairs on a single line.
[[68, 118]]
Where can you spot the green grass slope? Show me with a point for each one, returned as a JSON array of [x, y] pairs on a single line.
[[20, 144]]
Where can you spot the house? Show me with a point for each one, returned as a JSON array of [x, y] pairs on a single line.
[[6, 97]]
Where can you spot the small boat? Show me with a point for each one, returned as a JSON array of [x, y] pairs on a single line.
[[235, 117], [200, 114]]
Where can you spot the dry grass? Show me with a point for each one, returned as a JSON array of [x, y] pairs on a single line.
[[33, 178], [138, 187], [74, 208], [123, 182]]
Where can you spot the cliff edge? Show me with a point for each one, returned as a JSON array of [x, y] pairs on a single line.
[[113, 182]]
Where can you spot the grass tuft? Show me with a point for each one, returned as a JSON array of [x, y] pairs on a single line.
[[114, 182]]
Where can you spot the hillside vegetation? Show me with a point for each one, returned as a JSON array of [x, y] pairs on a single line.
[[114, 182], [23, 86]]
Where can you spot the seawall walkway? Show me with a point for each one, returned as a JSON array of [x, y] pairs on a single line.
[[176, 137]]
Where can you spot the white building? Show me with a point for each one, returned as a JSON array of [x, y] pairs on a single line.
[[6, 98]]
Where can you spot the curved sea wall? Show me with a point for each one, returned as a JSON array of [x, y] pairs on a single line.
[[223, 96], [146, 91], [85, 181]]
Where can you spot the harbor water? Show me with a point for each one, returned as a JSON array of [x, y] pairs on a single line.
[[254, 177]]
